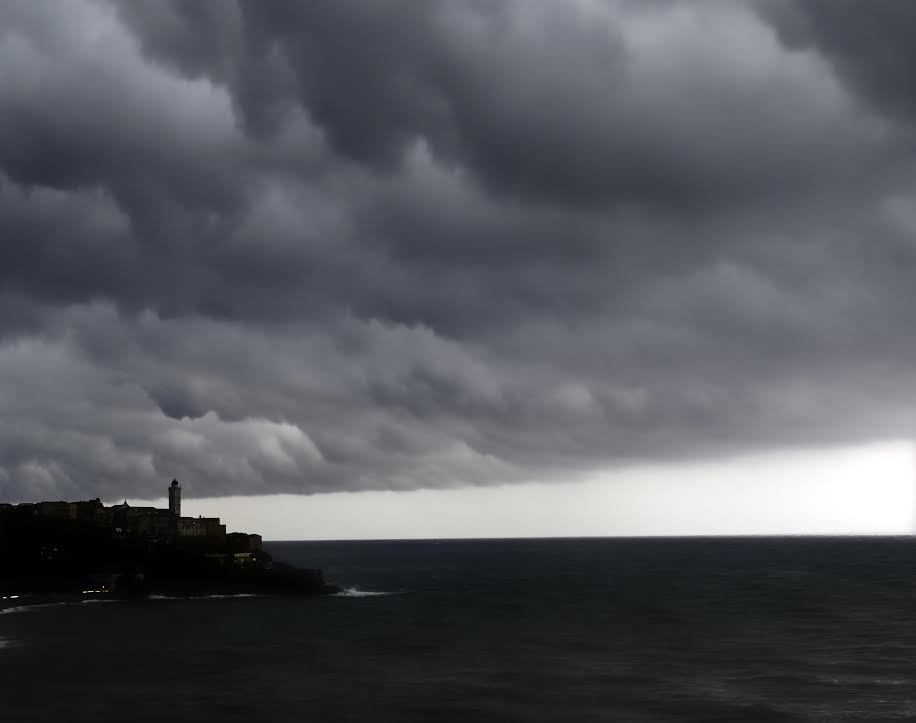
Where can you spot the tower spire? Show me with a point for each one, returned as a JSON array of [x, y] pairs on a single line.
[[175, 498]]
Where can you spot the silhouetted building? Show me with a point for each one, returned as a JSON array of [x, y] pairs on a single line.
[[90, 511], [213, 527], [191, 527], [243, 542], [57, 510], [150, 522]]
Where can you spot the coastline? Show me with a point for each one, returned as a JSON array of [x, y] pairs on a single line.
[[67, 552]]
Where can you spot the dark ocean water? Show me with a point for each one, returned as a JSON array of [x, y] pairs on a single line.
[[527, 630]]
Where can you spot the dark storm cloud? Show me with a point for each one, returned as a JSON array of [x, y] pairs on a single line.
[[873, 50], [319, 246], [588, 105]]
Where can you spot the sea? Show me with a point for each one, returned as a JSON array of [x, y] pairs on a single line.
[[752, 629]]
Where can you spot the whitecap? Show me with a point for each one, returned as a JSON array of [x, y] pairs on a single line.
[[202, 597], [65, 603], [356, 592], [26, 608]]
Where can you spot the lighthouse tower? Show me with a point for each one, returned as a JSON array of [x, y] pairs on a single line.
[[175, 498]]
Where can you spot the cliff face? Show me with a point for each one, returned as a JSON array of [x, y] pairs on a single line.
[[45, 555]]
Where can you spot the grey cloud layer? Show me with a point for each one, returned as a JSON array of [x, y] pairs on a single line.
[[319, 246]]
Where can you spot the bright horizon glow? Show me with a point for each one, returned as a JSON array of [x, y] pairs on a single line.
[[867, 490]]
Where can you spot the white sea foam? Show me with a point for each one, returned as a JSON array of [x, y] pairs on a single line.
[[27, 608], [203, 597], [356, 592], [221, 597], [39, 606]]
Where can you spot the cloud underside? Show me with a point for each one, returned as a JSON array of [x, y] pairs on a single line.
[[305, 247]]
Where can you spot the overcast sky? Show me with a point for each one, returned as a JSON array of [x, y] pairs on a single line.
[[337, 246]]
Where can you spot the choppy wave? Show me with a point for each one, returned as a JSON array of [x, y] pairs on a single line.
[[65, 603], [27, 608], [356, 592], [203, 597]]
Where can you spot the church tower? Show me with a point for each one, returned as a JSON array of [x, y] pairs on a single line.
[[175, 498]]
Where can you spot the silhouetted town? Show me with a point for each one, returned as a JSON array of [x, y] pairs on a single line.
[[154, 524], [86, 548]]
